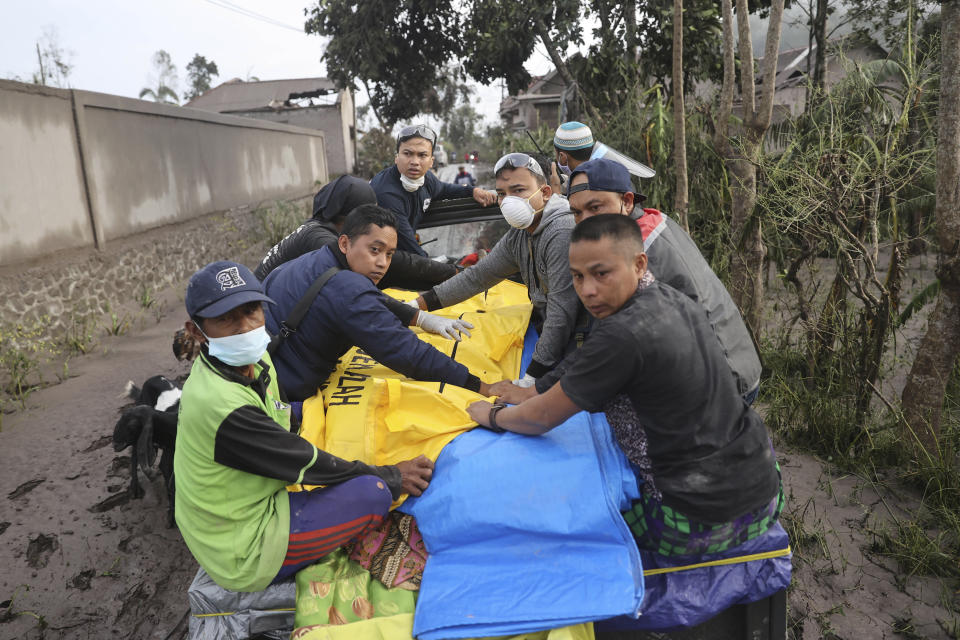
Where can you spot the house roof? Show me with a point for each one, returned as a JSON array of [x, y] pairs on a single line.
[[534, 92], [236, 95], [536, 86], [792, 63]]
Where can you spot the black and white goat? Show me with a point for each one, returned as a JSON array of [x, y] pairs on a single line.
[[149, 425]]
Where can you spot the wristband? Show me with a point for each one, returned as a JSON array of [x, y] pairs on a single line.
[[492, 417]]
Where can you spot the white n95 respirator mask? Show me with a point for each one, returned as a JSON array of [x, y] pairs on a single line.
[[517, 211]]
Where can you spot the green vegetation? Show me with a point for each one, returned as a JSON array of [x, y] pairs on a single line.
[[165, 80], [846, 200], [118, 324], [10, 612], [375, 152], [79, 335], [200, 72], [279, 219], [22, 349], [145, 296]]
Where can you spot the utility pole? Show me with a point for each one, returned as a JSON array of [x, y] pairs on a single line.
[[43, 76]]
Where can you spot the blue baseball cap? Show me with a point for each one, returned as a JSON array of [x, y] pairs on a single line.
[[222, 286], [602, 175]]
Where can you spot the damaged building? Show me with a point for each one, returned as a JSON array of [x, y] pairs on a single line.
[[311, 103]]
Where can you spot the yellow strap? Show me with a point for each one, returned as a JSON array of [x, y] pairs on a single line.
[[650, 572], [231, 613], [716, 563]]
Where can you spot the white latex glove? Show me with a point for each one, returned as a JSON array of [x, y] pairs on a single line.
[[525, 382], [413, 303], [447, 327]]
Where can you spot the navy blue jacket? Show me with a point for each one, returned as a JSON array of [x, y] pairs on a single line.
[[410, 206], [349, 311]]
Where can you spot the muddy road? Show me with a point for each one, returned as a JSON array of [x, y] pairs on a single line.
[[79, 557]]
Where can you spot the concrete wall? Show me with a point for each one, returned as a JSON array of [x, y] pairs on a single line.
[[42, 203], [82, 169]]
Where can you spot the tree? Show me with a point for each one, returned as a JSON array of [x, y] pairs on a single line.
[[405, 53], [459, 129], [680, 200], [165, 90], [741, 155], [199, 73], [703, 35], [544, 34], [819, 15], [53, 61], [398, 51], [923, 395], [376, 151], [840, 190], [884, 20]]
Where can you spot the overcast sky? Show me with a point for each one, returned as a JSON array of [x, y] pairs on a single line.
[[111, 42]]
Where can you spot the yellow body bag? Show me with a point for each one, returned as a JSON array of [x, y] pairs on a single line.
[[371, 413]]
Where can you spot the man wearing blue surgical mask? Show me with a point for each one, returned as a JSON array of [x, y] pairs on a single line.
[[536, 248], [235, 452]]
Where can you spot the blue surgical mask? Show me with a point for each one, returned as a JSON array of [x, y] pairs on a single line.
[[241, 349], [564, 169]]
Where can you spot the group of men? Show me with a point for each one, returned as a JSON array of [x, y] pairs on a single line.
[[631, 322]]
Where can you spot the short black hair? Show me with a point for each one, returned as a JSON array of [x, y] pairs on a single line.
[[608, 225], [581, 155], [359, 220]]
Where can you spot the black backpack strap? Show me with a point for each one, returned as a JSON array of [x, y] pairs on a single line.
[[293, 321]]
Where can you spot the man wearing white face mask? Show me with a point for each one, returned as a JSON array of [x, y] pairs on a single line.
[[408, 187], [537, 248], [235, 452]]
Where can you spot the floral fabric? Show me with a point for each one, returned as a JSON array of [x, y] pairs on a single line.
[[393, 553], [338, 591]]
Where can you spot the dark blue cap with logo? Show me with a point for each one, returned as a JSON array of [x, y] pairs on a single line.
[[602, 175], [221, 286]]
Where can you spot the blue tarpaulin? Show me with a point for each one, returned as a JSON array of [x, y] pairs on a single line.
[[525, 533]]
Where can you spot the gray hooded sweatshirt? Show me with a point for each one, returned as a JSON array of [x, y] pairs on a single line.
[[674, 259], [542, 260]]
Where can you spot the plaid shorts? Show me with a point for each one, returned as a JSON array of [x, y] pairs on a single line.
[[668, 532]]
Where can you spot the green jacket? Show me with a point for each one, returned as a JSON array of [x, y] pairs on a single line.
[[234, 457]]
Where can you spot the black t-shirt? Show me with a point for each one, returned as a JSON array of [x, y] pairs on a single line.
[[710, 452]]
